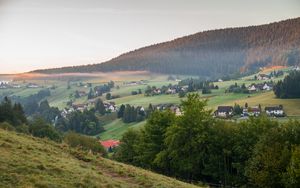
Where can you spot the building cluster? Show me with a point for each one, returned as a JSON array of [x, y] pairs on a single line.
[[260, 87], [171, 89], [109, 107], [172, 107], [134, 83], [7, 85], [228, 111], [11, 85]]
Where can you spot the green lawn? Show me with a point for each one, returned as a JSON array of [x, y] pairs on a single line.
[[141, 100]]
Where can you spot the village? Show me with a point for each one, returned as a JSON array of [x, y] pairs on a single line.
[[12, 85]]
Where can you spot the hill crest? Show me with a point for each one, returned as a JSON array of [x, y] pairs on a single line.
[[210, 53]]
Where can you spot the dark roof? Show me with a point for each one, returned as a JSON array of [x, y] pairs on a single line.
[[271, 108], [225, 108]]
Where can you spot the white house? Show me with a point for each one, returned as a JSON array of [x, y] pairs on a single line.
[[224, 111], [263, 77], [267, 87], [252, 88], [276, 111], [31, 85], [171, 91]]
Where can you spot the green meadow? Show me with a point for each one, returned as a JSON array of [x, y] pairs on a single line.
[[115, 128]]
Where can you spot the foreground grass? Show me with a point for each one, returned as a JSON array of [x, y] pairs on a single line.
[[32, 162]]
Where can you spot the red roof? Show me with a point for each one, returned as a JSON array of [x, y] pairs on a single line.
[[110, 143]]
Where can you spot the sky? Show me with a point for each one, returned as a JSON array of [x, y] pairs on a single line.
[[38, 34]]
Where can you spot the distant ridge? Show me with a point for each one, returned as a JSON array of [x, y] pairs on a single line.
[[210, 53]]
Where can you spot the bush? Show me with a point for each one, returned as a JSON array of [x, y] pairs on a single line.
[[134, 93], [39, 128], [23, 129], [84, 142], [7, 126]]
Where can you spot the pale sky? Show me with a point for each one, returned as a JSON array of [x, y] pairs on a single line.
[[55, 33]]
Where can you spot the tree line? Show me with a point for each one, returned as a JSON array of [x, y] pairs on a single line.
[[196, 147], [12, 118], [289, 87]]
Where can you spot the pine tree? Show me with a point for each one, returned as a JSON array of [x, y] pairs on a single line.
[[121, 111], [91, 94], [99, 107]]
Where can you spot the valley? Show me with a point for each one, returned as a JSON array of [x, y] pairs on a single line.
[[63, 88]]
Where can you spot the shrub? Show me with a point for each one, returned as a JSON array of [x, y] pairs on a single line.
[[39, 128], [7, 126], [84, 142]]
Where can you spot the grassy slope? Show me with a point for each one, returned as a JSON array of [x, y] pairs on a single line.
[[32, 162], [116, 128]]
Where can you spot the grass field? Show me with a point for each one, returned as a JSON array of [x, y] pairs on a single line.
[[116, 128], [32, 162], [141, 100], [290, 106]]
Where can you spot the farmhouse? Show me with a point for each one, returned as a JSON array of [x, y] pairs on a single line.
[[260, 87], [157, 91], [79, 107], [252, 88], [82, 93], [254, 111], [110, 107], [3, 85], [263, 77], [110, 144], [32, 85], [276, 111], [176, 110], [267, 87], [224, 111], [171, 91]]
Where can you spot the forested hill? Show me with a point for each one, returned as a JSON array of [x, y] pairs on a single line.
[[211, 53]]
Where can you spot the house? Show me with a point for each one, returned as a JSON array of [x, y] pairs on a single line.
[[263, 77], [171, 91], [3, 85], [110, 107], [276, 111], [66, 111], [220, 80], [110, 144], [252, 88], [260, 87], [82, 93], [32, 85], [245, 112], [267, 87], [157, 91], [176, 110], [224, 111], [184, 88], [254, 111], [79, 107], [15, 86]]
